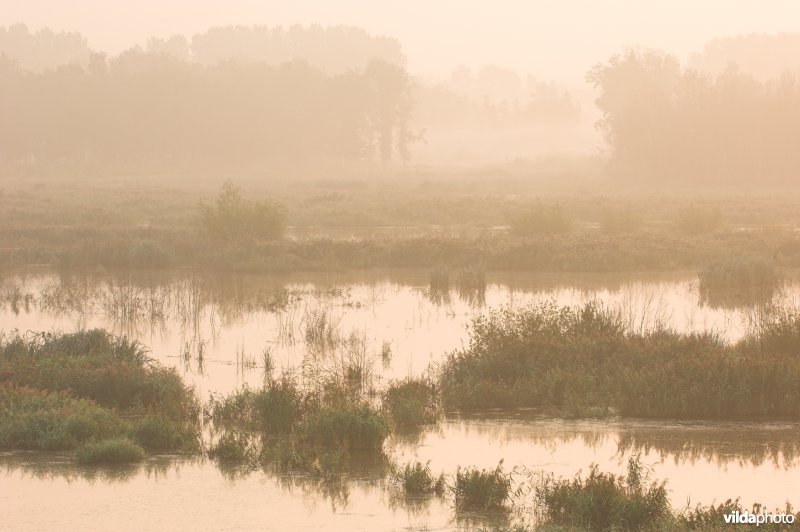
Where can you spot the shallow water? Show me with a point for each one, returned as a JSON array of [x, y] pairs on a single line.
[[703, 462], [215, 329]]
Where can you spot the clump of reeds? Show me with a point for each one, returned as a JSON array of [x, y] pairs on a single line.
[[59, 391], [412, 403], [112, 451], [439, 285], [234, 447], [416, 480], [602, 501], [482, 490], [586, 360], [739, 281]]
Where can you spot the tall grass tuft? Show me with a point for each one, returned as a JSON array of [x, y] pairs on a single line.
[[412, 403], [602, 501], [482, 490], [416, 480]]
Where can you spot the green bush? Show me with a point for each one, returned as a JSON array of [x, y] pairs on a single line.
[[114, 451]]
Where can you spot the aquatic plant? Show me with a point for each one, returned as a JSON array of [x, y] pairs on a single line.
[[113, 451], [353, 427], [585, 359], [602, 501], [416, 480], [412, 402], [484, 490]]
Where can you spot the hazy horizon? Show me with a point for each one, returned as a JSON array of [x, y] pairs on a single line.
[[553, 40]]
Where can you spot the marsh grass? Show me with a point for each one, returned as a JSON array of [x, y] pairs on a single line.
[[234, 448], [114, 451], [59, 391], [586, 359], [416, 480], [739, 281], [412, 403], [542, 219], [439, 284], [233, 217], [620, 220], [602, 501], [695, 221], [482, 490]]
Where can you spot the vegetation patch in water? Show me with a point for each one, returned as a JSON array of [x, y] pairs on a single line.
[[412, 403], [113, 451], [586, 358], [416, 480], [602, 501], [59, 391], [482, 490]]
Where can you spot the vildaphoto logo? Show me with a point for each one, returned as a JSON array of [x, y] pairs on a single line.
[[766, 518]]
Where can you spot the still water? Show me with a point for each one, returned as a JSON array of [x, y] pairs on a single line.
[[221, 332]]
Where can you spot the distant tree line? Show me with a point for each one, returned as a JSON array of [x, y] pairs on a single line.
[[493, 96], [334, 49], [666, 122], [148, 107]]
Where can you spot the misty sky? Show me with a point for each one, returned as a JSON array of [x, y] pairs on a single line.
[[556, 39]]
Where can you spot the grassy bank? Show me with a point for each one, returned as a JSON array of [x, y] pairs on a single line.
[[419, 222], [93, 392], [584, 360]]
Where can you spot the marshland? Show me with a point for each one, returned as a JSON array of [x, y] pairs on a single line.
[[305, 276]]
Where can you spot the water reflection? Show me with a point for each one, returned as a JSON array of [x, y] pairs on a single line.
[[222, 331], [702, 462]]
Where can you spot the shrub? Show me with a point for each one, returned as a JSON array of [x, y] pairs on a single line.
[[114, 451], [232, 217], [482, 490]]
